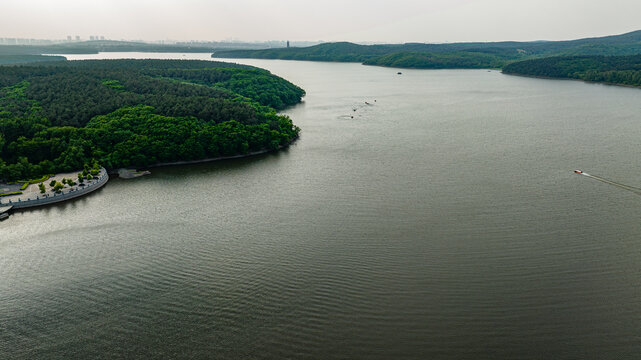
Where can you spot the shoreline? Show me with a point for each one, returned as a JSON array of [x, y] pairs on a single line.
[[570, 79], [58, 198], [357, 62], [208, 160], [104, 179]]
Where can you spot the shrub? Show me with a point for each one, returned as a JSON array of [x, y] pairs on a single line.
[[11, 193], [26, 183]]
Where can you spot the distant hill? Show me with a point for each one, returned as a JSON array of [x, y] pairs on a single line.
[[459, 55], [339, 51]]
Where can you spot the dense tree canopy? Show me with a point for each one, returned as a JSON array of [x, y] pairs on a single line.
[[456, 60], [622, 70], [59, 116]]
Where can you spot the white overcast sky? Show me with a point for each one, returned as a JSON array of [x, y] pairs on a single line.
[[328, 20]]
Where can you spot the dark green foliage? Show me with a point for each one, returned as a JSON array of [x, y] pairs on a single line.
[[443, 56], [622, 70], [456, 60], [73, 115], [341, 51], [71, 93], [420, 56]]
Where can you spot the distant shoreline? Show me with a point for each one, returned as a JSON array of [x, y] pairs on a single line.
[[570, 79]]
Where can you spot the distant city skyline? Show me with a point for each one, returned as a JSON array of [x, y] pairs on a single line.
[[434, 21]]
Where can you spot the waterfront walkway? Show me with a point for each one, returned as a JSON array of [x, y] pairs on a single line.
[[32, 197]]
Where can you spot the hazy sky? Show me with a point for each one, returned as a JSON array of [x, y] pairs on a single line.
[[328, 20]]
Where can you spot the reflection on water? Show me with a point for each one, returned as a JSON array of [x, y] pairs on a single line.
[[443, 221]]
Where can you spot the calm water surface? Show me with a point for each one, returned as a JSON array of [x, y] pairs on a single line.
[[442, 221]]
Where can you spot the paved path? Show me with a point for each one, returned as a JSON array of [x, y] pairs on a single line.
[[31, 198]]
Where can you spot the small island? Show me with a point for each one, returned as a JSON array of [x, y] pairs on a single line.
[[57, 117]]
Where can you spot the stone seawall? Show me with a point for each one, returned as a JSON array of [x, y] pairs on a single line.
[[40, 200]]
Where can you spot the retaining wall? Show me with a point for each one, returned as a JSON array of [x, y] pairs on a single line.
[[40, 200]]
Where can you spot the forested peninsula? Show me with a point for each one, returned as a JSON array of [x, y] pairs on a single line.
[[58, 116], [619, 70], [478, 55]]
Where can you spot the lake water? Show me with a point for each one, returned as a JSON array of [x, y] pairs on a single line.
[[444, 220]]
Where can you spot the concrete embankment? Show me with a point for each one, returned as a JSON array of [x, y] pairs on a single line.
[[41, 200]]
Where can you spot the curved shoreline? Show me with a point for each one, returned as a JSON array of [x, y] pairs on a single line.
[[104, 178], [219, 158], [70, 194]]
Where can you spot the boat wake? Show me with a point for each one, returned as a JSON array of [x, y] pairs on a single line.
[[633, 189]]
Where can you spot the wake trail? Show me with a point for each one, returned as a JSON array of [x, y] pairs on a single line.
[[633, 189]]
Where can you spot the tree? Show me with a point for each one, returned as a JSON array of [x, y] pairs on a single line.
[[58, 187], [78, 115]]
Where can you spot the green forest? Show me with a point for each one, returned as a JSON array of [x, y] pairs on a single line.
[[455, 60], [474, 55], [57, 116], [620, 70]]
